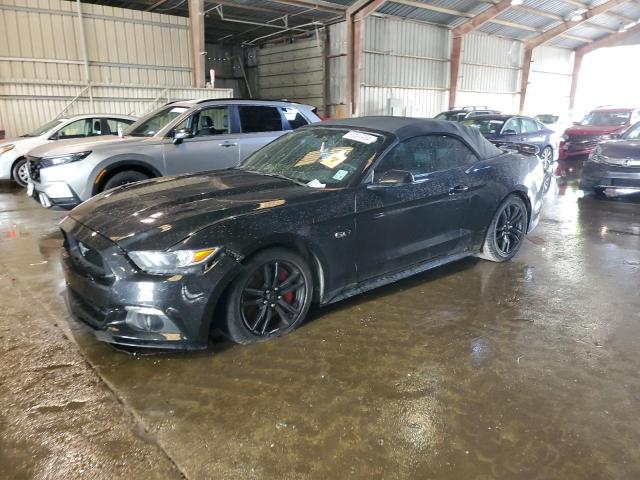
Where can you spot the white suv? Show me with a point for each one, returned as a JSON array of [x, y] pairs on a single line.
[[13, 151]]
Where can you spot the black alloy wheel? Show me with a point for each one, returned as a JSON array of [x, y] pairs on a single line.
[[547, 163], [271, 297], [509, 230], [506, 231]]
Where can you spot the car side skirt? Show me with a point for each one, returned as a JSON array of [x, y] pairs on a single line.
[[386, 279]]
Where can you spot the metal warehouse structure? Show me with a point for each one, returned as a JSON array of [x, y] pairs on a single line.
[[347, 57]]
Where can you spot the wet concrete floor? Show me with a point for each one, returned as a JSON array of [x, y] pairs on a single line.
[[524, 370]]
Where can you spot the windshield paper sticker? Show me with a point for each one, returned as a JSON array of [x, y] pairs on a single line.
[[315, 183], [340, 174], [360, 137]]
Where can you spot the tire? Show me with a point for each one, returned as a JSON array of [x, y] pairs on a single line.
[[248, 318], [19, 172], [123, 178], [508, 225], [547, 162]]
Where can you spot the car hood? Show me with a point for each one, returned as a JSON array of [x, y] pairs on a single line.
[[156, 214], [106, 142], [21, 142], [621, 149], [594, 129]]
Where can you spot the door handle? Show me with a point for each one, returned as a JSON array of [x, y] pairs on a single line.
[[228, 144], [458, 189]]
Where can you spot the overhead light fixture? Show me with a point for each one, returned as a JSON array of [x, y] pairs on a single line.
[[629, 25], [576, 18], [515, 3]]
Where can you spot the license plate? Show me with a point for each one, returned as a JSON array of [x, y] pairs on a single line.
[[30, 188]]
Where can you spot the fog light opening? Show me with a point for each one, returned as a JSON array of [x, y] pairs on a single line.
[[147, 319]]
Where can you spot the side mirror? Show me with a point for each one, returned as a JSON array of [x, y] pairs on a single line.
[[616, 136], [509, 132], [180, 135], [392, 178], [54, 136]]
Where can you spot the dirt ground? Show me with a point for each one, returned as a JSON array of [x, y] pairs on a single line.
[[524, 370]]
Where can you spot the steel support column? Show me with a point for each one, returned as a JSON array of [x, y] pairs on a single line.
[[524, 79], [196, 26]]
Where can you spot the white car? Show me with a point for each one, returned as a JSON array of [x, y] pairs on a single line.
[[13, 151]]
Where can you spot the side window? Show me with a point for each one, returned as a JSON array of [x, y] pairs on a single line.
[[529, 125], [254, 119], [294, 117], [211, 121], [422, 155], [512, 125], [112, 125], [77, 129]]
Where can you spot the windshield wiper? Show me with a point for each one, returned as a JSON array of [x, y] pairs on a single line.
[[280, 176]]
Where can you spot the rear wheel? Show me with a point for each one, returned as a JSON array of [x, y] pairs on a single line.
[[506, 231], [269, 298], [123, 178], [20, 172]]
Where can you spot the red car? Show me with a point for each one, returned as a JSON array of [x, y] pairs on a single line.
[[597, 126]]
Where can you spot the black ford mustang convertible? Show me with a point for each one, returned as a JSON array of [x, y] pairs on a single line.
[[318, 215]]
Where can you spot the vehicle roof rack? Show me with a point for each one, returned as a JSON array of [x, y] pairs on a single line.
[[248, 99], [472, 107]]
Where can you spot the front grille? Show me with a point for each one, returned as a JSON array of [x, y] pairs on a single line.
[[89, 314], [34, 166], [583, 142], [84, 257]]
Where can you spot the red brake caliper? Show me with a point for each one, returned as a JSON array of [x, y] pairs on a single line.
[[288, 297]]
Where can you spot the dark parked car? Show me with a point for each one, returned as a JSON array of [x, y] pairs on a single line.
[[318, 215], [597, 126], [462, 113], [614, 165], [516, 129]]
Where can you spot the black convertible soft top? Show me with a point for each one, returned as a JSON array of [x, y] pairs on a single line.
[[405, 127]]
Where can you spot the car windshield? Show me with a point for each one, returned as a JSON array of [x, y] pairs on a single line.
[[547, 119], [605, 119], [633, 133], [487, 126], [451, 116], [44, 128], [151, 124], [317, 157]]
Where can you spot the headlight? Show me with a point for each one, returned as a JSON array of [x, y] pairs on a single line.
[[53, 160], [6, 148], [179, 261]]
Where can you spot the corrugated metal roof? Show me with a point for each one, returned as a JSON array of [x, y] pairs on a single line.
[[565, 42], [584, 30], [631, 10], [527, 19], [557, 7], [405, 11], [504, 31]]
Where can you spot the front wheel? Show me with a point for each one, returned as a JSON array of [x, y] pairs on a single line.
[[547, 163], [269, 298], [20, 172], [124, 178], [506, 231]]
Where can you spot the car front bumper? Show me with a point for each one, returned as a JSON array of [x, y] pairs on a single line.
[[54, 195], [602, 176], [104, 287]]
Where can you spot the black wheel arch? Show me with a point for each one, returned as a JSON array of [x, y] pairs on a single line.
[[121, 166], [283, 241]]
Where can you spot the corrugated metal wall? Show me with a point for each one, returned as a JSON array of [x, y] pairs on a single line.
[[137, 61], [294, 71], [490, 72], [41, 40], [405, 68], [549, 81], [337, 71], [24, 105]]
